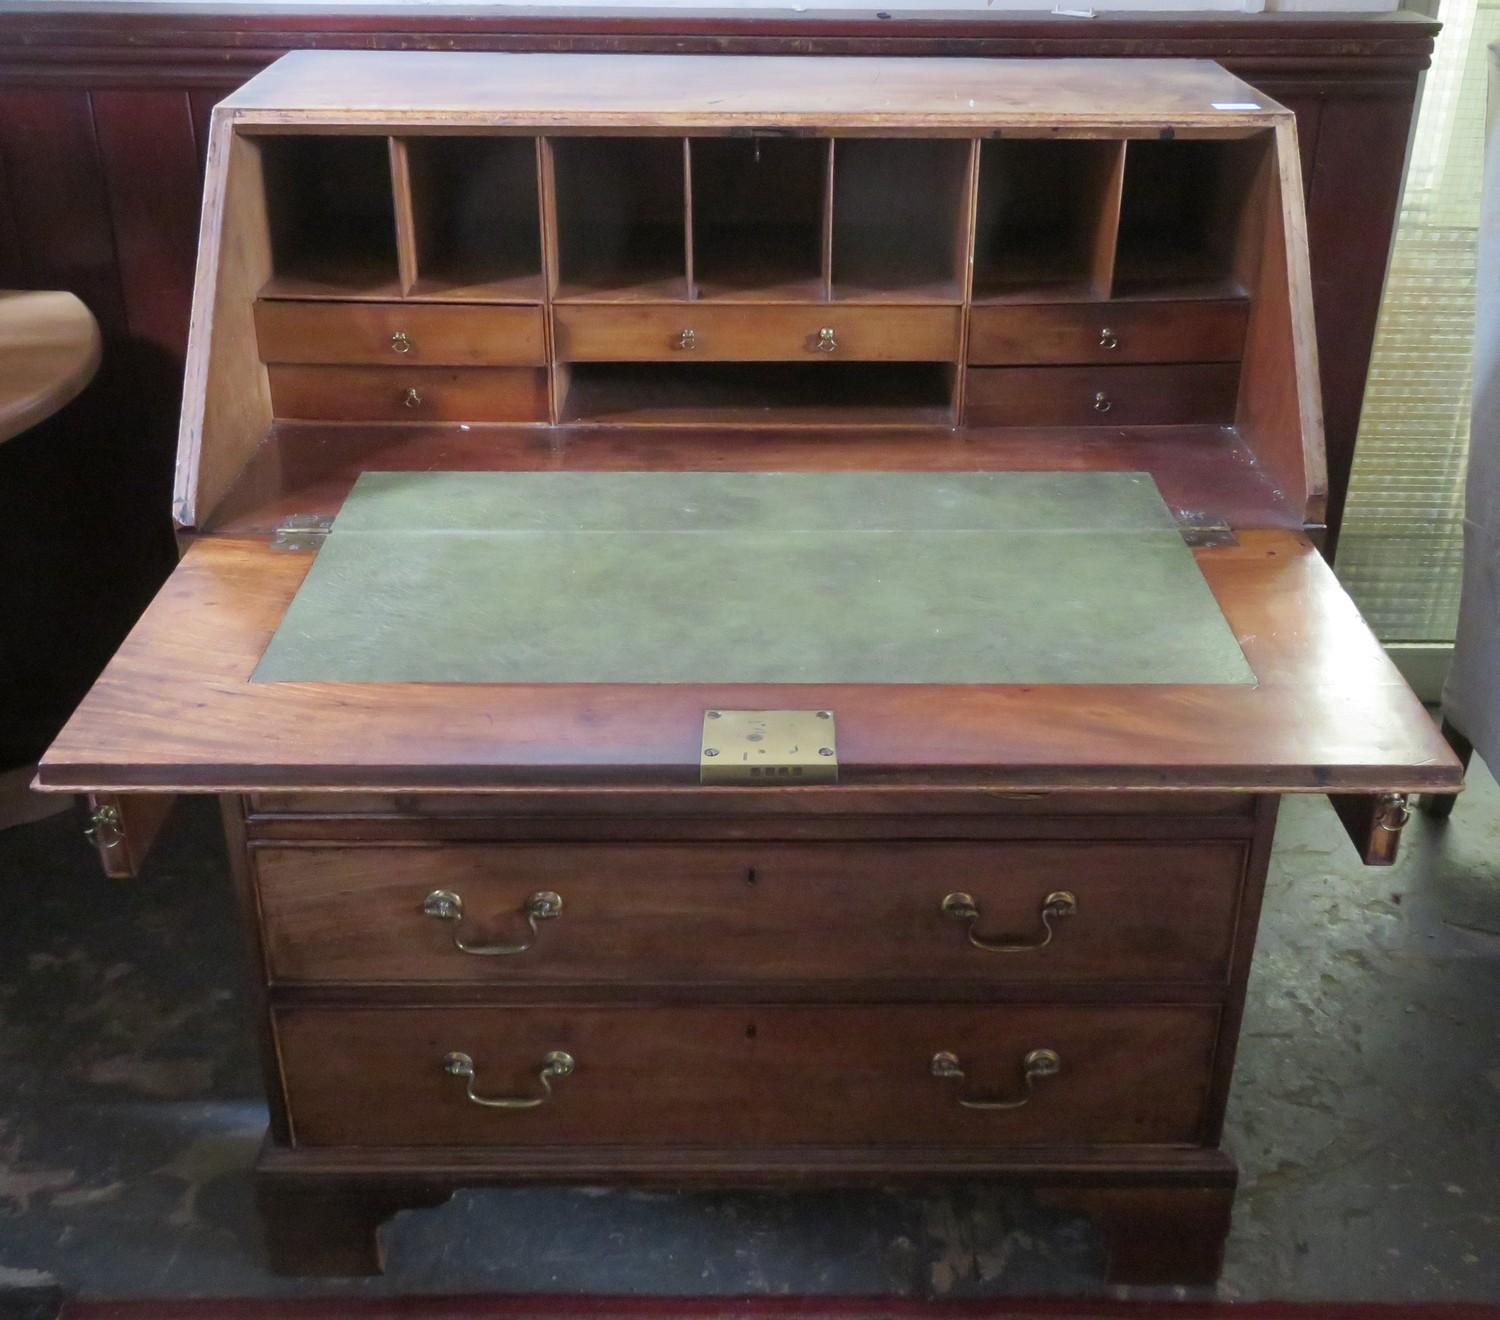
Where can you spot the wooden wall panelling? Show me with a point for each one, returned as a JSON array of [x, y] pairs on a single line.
[[71, 489]]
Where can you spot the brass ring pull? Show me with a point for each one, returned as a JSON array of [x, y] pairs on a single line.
[[106, 828], [445, 905], [1108, 339], [688, 339], [412, 398], [826, 343], [556, 1063], [1102, 402], [1036, 1065], [1058, 904], [400, 343]]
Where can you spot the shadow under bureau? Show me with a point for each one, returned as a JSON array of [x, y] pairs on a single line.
[[750, 617]]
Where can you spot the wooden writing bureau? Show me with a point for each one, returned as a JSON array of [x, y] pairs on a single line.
[[762, 343]]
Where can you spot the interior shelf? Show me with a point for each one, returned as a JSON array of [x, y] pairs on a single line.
[[758, 208], [1046, 218], [900, 219], [332, 217], [1181, 216], [473, 221], [703, 393], [621, 219]]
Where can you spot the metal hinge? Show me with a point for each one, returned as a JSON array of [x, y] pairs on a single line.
[[302, 531], [1199, 529]]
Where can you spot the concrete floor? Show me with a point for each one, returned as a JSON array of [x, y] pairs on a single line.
[[1366, 1110]]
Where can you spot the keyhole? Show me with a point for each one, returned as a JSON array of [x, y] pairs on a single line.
[[751, 876], [750, 1032]]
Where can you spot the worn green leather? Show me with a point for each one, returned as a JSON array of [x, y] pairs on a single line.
[[706, 577]]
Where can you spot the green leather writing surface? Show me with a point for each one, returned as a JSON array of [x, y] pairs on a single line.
[[696, 577]]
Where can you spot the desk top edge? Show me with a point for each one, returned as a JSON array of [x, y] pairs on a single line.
[[544, 89]]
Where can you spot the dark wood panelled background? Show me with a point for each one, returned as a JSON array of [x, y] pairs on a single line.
[[103, 117]]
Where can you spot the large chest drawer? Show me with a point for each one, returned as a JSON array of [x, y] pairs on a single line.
[[791, 333], [704, 914], [736, 1076]]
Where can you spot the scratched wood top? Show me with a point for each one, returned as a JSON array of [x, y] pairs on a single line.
[[176, 708], [449, 89]]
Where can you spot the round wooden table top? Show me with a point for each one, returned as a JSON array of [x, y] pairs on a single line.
[[49, 350]]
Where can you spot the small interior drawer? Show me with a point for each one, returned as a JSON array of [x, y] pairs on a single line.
[[409, 394], [1146, 331], [810, 332], [850, 1075], [751, 912], [399, 334], [1179, 395]]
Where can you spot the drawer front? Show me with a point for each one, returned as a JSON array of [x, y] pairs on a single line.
[[399, 334], [695, 914], [1192, 394], [747, 1076], [1022, 334], [692, 332], [409, 394]]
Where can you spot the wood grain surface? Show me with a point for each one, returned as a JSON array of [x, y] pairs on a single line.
[[175, 709]]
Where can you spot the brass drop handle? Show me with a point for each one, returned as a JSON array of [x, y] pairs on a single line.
[[400, 342], [106, 829], [1036, 1065], [687, 339], [412, 398], [1102, 403], [1108, 339], [826, 343], [555, 1063], [445, 905], [1058, 904]]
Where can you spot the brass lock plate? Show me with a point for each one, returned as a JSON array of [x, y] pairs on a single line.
[[768, 747]]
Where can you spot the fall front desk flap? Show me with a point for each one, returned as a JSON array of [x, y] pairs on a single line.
[[740, 577]]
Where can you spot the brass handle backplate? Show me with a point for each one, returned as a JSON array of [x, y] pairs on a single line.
[[1036, 1065], [400, 342], [1108, 339], [445, 905], [1102, 402], [555, 1063], [1058, 904], [825, 342], [687, 339], [106, 829], [412, 398]]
